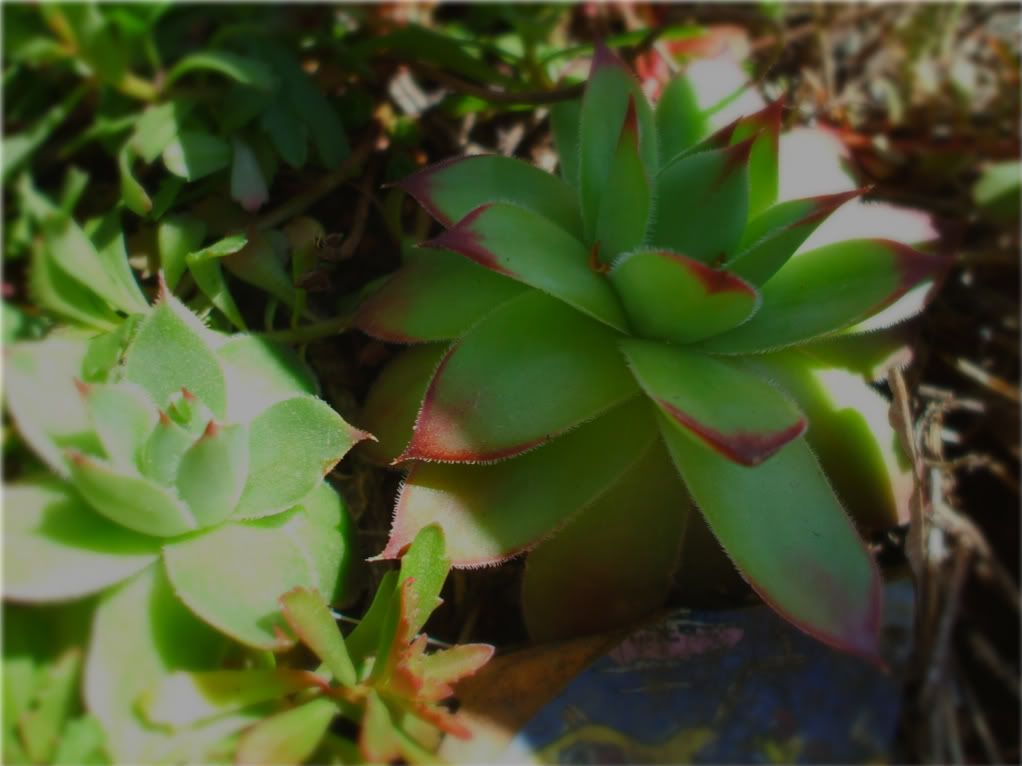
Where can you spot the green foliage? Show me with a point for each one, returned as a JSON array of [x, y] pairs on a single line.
[[380, 677], [647, 320]]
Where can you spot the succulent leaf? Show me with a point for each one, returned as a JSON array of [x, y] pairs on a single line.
[[829, 289], [717, 404], [363, 641], [772, 237], [177, 237], [260, 373], [565, 121], [624, 215], [605, 103], [212, 473], [57, 548], [438, 296], [426, 565], [308, 616], [130, 500], [490, 513], [289, 737], [619, 572], [183, 699], [129, 655], [171, 351], [395, 399], [703, 203], [469, 414], [60, 420], [680, 122], [377, 740], [452, 189], [123, 416], [671, 297], [794, 544], [293, 445], [765, 126], [524, 246], [253, 564]]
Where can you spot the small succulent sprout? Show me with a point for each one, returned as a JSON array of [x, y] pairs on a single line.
[[189, 487], [649, 319], [381, 677]]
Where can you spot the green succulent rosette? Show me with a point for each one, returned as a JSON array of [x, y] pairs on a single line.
[[605, 361], [187, 492]]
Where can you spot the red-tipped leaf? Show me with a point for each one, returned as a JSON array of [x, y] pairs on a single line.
[[521, 244], [715, 403], [480, 408], [671, 297]]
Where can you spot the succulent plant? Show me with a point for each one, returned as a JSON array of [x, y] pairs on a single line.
[[189, 487], [603, 361], [379, 677]]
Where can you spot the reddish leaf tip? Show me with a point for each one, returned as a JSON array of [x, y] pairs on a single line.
[[77, 458], [748, 448], [737, 155], [162, 291], [82, 387], [826, 204], [603, 57], [419, 185], [188, 395], [713, 280], [211, 431], [164, 418]]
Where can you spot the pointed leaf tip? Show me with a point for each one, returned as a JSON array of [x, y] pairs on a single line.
[[736, 157]]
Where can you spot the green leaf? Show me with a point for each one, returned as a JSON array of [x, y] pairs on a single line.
[[157, 127], [140, 634], [393, 402], [248, 184], [241, 69], [58, 420], [231, 576], [59, 549], [565, 119], [288, 133], [680, 122], [479, 407], [671, 297], [41, 726], [569, 589], [74, 254], [717, 404], [171, 352], [789, 537], [851, 434], [162, 452], [294, 444], [772, 237], [260, 373], [452, 189], [312, 106], [309, 617], [19, 148], [490, 513], [377, 739], [604, 106], [828, 289], [260, 263], [702, 203], [212, 473], [624, 215], [365, 639], [996, 192], [183, 699], [56, 292], [426, 565], [123, 416], [438, 296], [177, 237], [289, 737], [193, 155], [82, 742], [132, 501], [523, 245], [765, 127], [210, 278], [135, 197]]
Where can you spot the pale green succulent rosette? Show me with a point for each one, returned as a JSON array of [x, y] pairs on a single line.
[[188, 493], [598, 355]]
